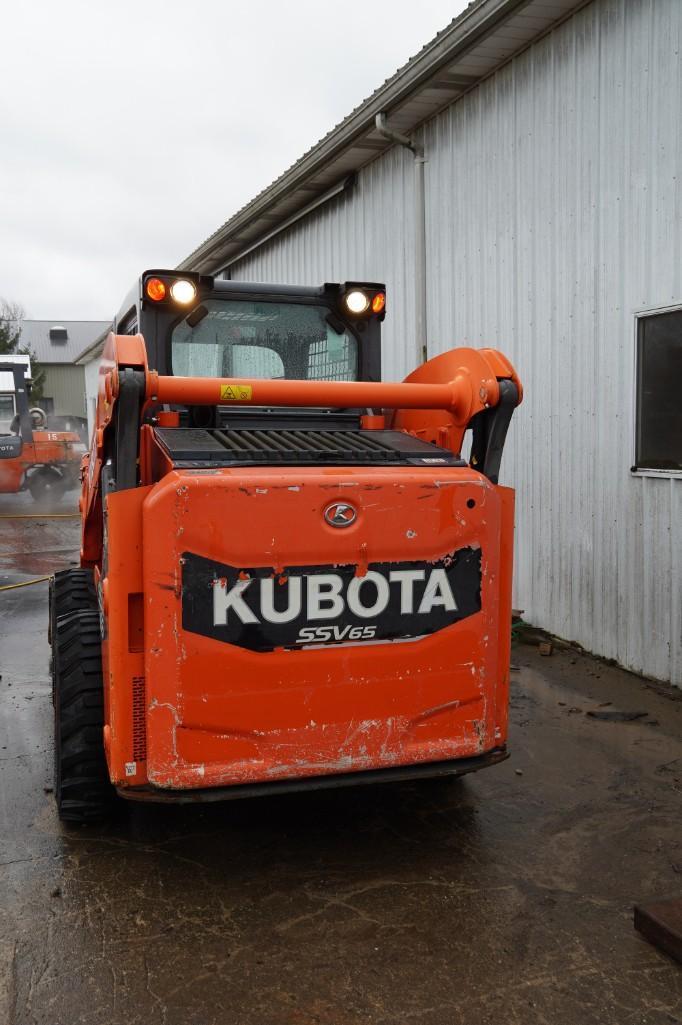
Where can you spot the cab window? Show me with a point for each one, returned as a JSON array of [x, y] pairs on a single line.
[[266, 340]]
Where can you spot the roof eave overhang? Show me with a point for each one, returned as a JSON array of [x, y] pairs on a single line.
[[94, 349], [424, 86]]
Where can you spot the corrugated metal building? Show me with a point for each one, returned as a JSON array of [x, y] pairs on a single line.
[[552, 135], [56, 345]]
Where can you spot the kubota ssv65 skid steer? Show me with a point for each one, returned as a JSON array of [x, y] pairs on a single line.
[[290, 577]]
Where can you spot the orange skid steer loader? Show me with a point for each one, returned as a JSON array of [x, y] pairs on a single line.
[[289, 576]]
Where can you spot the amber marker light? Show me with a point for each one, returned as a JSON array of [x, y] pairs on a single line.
[[379, 302], [155, 289], [183, 292]]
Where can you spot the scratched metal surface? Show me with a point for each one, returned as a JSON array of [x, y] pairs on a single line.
[[503, 897]]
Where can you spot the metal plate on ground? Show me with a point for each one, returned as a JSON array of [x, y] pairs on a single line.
[[660, 922]]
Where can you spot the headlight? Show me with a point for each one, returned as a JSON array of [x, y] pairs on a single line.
[[183, 292], [356, 302]]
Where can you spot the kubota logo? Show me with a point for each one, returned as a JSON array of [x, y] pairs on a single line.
[[263, 608], [330, 595], [340, 514]]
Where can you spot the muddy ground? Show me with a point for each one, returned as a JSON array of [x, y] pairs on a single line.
[[506, 897]]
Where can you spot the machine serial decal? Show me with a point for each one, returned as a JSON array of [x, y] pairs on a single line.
[[262, 610]]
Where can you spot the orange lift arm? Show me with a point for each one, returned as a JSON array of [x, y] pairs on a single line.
[[472, 387]]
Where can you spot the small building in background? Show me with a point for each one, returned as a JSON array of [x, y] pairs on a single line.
[[55, 345]]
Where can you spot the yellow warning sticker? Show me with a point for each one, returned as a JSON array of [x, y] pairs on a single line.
[[236, 392]]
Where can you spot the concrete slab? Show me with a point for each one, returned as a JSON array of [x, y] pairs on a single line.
[[506, 897]]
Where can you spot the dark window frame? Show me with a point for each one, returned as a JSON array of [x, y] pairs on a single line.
[[641, 461]]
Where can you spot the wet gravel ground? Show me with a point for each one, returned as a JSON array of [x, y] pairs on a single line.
[[505, 897]]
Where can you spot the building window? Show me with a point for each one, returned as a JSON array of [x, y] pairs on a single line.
[[659, 392]]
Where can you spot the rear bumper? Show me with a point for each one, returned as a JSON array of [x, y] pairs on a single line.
[[424, 770]]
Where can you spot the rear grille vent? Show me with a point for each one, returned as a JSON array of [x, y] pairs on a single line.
[[305, 446], [139, 720], [193, 446]]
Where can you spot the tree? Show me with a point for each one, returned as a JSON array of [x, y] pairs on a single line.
[[11, 316]]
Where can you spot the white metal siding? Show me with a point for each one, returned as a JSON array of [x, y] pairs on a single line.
[[65, 385], [553, 215], [91, 374], [365, 235]]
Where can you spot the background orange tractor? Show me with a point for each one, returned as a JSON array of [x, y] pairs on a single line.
[[33, 458], [289, 575]]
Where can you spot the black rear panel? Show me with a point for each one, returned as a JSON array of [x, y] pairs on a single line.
[[194, 447], [229, 417]]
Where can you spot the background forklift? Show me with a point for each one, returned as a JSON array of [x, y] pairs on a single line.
[[289, 576], [33, 458]]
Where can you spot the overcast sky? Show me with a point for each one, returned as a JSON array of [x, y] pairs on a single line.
[[129, 132]]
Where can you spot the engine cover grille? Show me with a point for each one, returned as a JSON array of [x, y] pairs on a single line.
[[191, 447]]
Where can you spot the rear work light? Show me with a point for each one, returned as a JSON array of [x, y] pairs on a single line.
[[155, 289], [356, 302], [363, 300], [183, 291]]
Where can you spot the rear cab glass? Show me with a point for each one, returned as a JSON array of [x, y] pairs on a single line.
[[266, 340]]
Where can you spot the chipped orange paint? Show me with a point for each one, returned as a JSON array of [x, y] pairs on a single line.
[[218, 715]]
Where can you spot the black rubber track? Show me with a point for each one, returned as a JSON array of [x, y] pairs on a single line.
[[82, 787], [71, 590]]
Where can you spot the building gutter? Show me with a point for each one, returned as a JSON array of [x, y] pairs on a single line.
[[420, 309], [472, 26], [343, 186]]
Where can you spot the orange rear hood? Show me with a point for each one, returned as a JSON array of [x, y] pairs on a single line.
[[278, 645]]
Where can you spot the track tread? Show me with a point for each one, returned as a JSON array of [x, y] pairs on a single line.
[[82, 787], [71, 590]]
